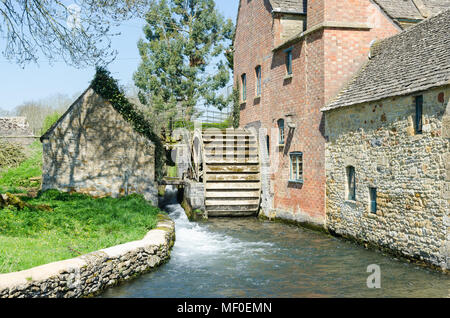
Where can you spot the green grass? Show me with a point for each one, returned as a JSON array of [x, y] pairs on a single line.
[[13, 190], [19, 176], [78, 224]]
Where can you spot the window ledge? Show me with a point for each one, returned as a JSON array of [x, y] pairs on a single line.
[[281, 145], [287, 77], [374, 215], [351, 201], [296, 181]]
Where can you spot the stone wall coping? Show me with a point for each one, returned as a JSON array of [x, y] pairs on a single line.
[[155, 237]]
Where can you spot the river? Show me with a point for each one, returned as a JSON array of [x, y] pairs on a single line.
[[247, 257]]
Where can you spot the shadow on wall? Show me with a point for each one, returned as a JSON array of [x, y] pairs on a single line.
[[94, 150]]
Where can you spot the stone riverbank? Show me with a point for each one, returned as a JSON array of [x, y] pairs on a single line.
[[89, 274]]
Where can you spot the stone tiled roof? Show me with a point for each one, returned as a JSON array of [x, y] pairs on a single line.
[[413, 60], [397, 9], [297, 6], [437, 6], [412, 9]]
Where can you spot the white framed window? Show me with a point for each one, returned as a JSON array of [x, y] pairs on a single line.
[[296, 171]]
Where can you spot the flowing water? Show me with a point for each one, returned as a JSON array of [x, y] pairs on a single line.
[[246, 257]]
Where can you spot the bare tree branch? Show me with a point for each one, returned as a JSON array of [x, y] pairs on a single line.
[[77, 32]]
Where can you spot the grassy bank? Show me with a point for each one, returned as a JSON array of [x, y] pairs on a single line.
[[17, 179], [77, 225]]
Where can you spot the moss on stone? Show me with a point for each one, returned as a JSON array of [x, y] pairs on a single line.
[[308, 225], [164, 228], [161, 190]]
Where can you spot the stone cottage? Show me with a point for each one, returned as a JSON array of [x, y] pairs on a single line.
[[388, 150], [16, 130], [92, 149], [292, 57]]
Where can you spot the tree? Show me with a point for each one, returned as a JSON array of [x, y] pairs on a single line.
[[183, 56], [78, 33], [36, 111]]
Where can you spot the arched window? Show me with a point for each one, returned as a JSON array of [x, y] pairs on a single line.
[[281, 131], [351, 183]]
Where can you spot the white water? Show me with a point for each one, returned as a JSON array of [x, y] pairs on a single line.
[[245, 257], [194, 241]]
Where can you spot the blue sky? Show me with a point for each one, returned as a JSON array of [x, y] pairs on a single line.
[[34, 82]]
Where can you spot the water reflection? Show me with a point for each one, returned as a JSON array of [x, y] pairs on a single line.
[[245, 257]]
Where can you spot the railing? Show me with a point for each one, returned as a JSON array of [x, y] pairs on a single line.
[[207, 116], [214, 117]]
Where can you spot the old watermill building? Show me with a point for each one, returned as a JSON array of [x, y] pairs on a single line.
[[351, 101], [93, 149]]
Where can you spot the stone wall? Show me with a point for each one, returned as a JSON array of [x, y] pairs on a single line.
[[91, 273], [194, 200], [93, 150], [286, 26], [16, 130], [410, 171]]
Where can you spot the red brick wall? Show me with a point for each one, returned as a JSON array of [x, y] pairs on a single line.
[[316, 12], [347, 49], [253, 42], [323, 62]]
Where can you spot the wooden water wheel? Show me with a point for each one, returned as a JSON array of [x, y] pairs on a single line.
[[227, 162]]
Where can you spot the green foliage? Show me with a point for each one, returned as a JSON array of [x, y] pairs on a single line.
[[11, 155], [49, 121], [172, 171], [190, 125], [107, 87], [77, 225], [183, 38], [20, 175], [229, 53]]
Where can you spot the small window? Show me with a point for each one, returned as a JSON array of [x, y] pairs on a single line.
[[244, 87], [351, 183], [289, 61], [268, 144], [373, 200], [296, 173], [281, 131], [419, 112], [258, 80]]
